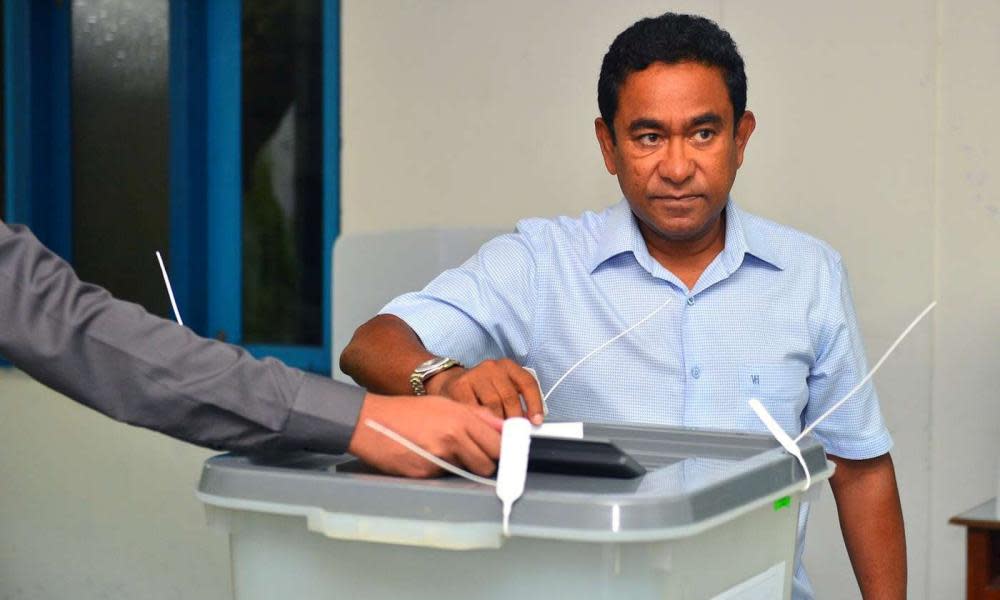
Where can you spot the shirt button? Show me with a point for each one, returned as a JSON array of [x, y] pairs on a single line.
[[691, 301], [695, 372]]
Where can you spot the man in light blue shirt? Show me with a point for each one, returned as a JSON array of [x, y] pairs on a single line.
[[756, 310]]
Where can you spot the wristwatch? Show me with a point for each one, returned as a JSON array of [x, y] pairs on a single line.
[[428, 369]]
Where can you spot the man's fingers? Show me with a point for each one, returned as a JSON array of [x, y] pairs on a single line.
[[509, 397], [417, 467], [460, 434], [463, 392], [528, 388], [491, 419], [500, 386], [487, 396], [484, 430], [469, 453]]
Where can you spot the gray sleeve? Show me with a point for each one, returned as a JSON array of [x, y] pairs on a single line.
[[118, 359]]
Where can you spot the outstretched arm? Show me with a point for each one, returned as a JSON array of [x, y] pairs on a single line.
[[135, 367]]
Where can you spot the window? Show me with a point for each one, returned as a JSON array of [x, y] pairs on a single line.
[[258, 189], [282, 172], [119, 141], [207, 130], [36, 119]]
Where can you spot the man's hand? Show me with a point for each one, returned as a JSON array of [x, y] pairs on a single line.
[[498, 385], [384, 351], [462, 435]]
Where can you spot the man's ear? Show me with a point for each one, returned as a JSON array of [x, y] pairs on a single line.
[[748, 122], [607, 142]]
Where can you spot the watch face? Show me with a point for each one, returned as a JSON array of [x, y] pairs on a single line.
[[427, 365]]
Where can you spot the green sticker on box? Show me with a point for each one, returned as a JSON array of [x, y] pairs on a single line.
[[781, 503]]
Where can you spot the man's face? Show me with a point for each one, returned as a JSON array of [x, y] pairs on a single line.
[[675, 153]]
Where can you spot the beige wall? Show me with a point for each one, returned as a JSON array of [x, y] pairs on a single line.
[[965, 411], [90, 508], [876, 131]]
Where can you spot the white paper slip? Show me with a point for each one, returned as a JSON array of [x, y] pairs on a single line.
[[572, 430]]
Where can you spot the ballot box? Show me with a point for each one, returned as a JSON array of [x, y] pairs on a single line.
[[714, 516]]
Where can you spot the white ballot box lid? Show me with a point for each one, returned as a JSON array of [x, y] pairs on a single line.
[[695, 480]]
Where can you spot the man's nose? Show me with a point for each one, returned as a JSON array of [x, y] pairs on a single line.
[[676, 165]]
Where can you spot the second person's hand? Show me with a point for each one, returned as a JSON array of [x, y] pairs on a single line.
[[465, 436]]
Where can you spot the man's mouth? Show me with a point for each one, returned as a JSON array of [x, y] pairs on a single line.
[[675, 197]]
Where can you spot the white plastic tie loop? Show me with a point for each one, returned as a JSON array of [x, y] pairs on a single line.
[[515, 442], [783, 438]]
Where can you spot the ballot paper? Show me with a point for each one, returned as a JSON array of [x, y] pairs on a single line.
[[570, 430]]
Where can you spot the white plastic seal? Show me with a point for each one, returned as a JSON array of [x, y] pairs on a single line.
[[515, 441], [779, 434]]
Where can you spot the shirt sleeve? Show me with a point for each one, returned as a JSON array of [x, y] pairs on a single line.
[[856, 430], [483, 309], [118, 359]]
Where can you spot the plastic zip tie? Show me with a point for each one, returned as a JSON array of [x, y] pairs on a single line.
[[602, 347], [170, 290], [792, 446], [861, 384]]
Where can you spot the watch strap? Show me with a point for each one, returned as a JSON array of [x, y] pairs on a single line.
[[428, 369]]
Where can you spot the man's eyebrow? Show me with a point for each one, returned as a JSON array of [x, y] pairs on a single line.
[[640, 124], [709, 118]]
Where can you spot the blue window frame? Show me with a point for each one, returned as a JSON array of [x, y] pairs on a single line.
[[37, 120], [36, 114], [206, 178], [205, 154], [3, 134]]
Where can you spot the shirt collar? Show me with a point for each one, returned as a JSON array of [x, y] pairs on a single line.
[[743, 237], [621, 234]]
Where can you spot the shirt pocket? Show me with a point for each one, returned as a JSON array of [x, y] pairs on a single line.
[[781, 388]]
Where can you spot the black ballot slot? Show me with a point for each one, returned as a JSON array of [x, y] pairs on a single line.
[[590, 458]]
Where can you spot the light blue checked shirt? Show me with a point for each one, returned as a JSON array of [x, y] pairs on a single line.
[[771, 318]]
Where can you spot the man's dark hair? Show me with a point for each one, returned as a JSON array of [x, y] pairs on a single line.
[[670, 38]]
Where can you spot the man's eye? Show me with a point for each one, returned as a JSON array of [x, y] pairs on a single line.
[[703, 135], [649, 139]]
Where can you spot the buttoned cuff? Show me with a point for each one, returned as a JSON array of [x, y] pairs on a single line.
[[324, 415]]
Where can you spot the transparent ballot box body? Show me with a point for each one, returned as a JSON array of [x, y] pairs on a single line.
[[715, 516]]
